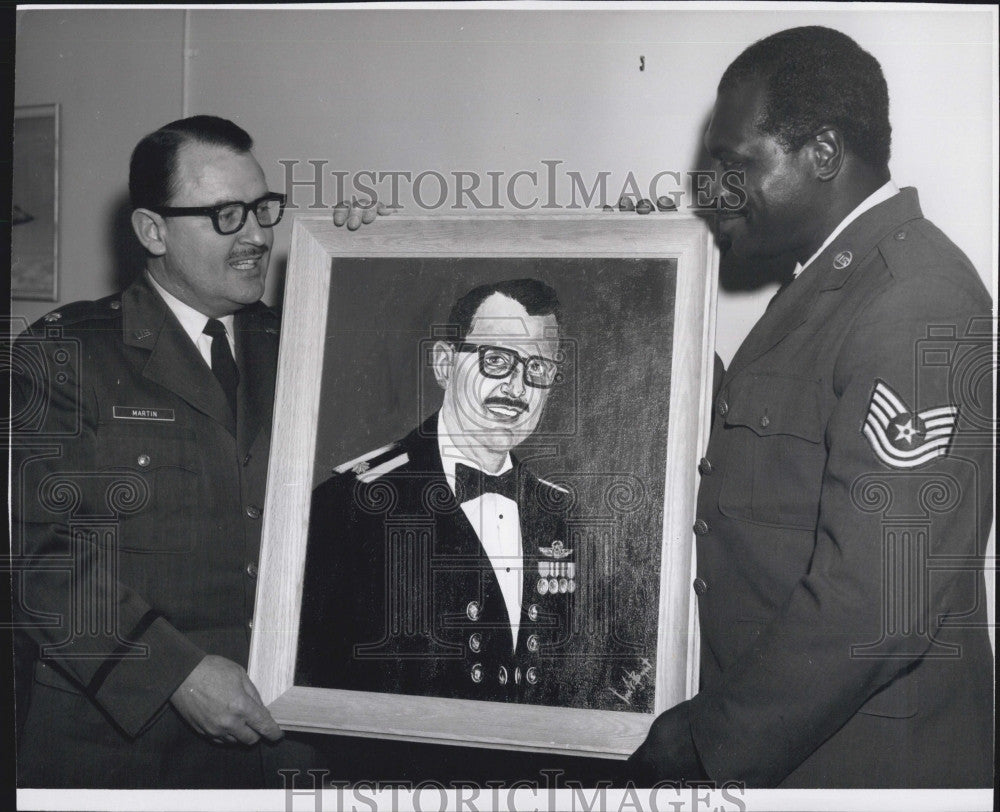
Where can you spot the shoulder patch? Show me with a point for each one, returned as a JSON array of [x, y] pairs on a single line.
[[365, 461], [375, 472], [903, 438]]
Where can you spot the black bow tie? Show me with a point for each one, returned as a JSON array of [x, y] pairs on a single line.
[[471, 483]]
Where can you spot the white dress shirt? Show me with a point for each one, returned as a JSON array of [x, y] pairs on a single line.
[[880, 195], [497, 522], [194, 322]]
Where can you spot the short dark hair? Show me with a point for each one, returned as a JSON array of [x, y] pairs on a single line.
[[816, 77], [151, 181], [538, 298]]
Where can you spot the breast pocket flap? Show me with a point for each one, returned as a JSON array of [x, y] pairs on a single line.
[[772, 405]]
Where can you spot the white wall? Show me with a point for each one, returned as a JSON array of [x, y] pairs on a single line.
[[116, 75], [481, 91], [503, 90]]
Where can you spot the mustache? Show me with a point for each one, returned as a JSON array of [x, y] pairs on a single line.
[[511, 403], [252, 253]]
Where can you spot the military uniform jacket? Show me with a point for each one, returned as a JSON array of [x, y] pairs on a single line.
[[400, 596], [136, 528], [841, 522]]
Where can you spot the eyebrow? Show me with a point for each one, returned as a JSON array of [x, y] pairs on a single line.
[[517, 352]]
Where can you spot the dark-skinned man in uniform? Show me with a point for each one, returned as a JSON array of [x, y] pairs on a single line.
[[846, 492], [142, 430]]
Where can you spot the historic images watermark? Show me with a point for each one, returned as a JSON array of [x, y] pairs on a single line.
[[44, 367], [312, 185], [312, 790]]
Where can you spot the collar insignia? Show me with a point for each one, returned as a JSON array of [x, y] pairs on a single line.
[[842, 260]]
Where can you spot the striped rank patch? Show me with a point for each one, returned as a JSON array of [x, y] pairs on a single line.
[[902, 438]]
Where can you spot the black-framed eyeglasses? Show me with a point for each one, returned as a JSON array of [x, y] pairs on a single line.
[[499, 362], [229, 217]]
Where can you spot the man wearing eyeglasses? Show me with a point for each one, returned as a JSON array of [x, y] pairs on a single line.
[[439, 564], [144, 516]]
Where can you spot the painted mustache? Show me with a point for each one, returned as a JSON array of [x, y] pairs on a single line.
[[510, 403]]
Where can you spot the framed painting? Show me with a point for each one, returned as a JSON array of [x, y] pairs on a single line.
[[34, 270], [482, 483]]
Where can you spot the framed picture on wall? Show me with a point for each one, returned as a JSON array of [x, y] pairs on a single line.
[[482, 482], [34, 271]]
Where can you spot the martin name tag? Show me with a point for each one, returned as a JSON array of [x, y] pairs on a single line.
[[138, 413]]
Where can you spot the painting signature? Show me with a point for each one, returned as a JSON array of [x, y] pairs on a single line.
[[631, 680]]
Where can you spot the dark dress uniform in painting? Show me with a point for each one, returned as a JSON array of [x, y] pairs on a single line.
[[401, 597], [136, 514]]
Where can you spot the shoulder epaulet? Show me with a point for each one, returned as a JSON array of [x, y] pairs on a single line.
[[919, 251], [903, 239], [375, 463], [76, 312], [553, 485]]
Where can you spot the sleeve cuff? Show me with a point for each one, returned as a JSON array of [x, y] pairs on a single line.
[[134, 688]]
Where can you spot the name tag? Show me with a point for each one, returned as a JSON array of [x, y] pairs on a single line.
[[137, 413]]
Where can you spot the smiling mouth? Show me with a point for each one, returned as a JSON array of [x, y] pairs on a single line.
[[504, 409], [246, 262]]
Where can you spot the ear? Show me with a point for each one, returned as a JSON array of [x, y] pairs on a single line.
[[149, 228], [826, 152], [442, 356]]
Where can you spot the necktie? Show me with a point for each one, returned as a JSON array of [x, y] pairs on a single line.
[[471, 483], [223, 364]]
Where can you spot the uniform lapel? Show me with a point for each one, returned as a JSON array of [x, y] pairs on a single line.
[[829, 271], [174, 362], [539, 528], [454, 533], [787, 311]]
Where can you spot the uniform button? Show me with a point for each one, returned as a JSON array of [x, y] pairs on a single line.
[[143, 460], [472, 610], [701, 527], [477, 673], [531, 675], [765, 422], [900, 235], [502, 675], [116, 305], [533, 612], [252, 570], [250, 624], [253, 511], [723, 408], [532, 642], [700, 586], [705, 466], [475, 641], [517, 675]]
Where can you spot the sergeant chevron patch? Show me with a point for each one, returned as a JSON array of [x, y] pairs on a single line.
[[902, 438]]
